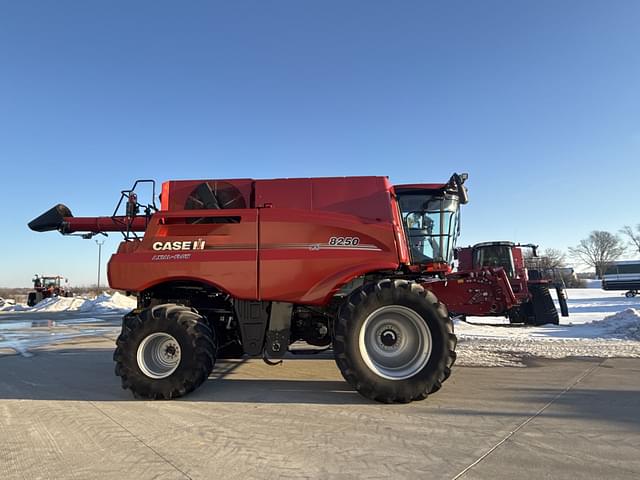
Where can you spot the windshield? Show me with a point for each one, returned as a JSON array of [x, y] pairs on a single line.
[[495, 256], [431, 223], [50, 281]]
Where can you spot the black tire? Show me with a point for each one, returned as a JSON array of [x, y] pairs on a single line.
[[518, 314], [196, 341], [31, 300], [542, 307], [630, 294], [354, 314]]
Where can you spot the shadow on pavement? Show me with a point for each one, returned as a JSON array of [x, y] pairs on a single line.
[[598, 405], [88, 375], [323, 392], [620, 405]]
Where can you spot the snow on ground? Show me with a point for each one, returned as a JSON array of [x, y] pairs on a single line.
[[600, 324], [104, 303], [60, 320], [5, 302]]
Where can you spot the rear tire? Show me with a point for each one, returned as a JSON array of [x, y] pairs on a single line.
[[164, 352], [630, 294], [394, 341], [542, 307]]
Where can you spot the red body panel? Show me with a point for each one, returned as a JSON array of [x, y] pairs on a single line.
[[282, 251], [298, 264], [365, 197], [475, 293], [229, 260]]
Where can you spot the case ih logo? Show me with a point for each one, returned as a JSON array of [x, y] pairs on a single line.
[[187, 245]]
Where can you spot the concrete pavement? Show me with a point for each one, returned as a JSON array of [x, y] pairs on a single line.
[[64, 415]]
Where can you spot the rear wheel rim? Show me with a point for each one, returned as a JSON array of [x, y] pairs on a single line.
[[158, 355], [395, 342]]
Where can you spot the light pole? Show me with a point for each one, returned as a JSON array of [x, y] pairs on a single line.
[[99, 259]]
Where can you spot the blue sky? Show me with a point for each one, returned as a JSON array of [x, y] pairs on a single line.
[[538, 100]]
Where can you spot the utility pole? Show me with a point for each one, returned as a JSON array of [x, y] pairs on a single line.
[[99, 260]]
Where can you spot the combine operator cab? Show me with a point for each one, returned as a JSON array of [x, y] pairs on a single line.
[[431, 220], [226, 268]]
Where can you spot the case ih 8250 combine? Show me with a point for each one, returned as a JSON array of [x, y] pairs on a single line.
[[228, 268]]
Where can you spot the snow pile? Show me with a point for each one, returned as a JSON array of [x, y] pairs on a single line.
[[104, 303], [14, 308], [600, 324], [58, 304], [624, 325]]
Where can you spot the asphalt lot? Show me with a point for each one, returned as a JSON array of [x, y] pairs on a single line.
[[64, 415]]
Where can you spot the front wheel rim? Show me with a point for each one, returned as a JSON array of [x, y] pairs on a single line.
[[159, 355], [395, 342]]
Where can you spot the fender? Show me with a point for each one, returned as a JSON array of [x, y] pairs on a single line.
[[322, 292]]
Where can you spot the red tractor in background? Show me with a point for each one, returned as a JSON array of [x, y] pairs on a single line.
[[523, 294], [46, 286]]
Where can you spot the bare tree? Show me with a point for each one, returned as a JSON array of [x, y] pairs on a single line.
[[633, 236], [598, 250], [552, 258], [548, 259]]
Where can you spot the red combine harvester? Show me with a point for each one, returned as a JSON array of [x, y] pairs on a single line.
[[227, 268], [46, 286], [522, 294]]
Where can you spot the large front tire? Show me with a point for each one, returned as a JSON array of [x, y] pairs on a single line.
[[394, 341], [164, 352]]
